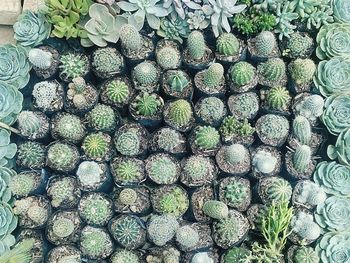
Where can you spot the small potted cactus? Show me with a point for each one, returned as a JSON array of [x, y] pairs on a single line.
[[308, 105], [192, 237], [301, 73], [236, 131], [177, 84], [308, 194], [81, 96], [107, 62], [299, 163], [62, 156], [299, 254], [97, 147], [273, 188], [33, 124], [298, 45], [147, 108], [233, 159], [146, 76], [45, 61], [244, 106], [198, 198], [127, 170], [124, 255], [28, 183], [229, 48], [266, 161], [179, 115], [48, 96], [103, 118], [31, 155], [197, 55], [276, 100], [168, 54], [117, 92], [263, 46], [64, 253], [168, 140], [35, 237], [242, 77], [167, 253], [272, 73], [68, 127], [162, 168], [210, 256], [73, 65], [161, 228], [236, 254], [210, 111], [93, 176], [204, 140], [211, 81]]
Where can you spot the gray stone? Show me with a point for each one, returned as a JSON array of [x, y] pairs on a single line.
[[9, 11], [6, 35], [32, 5]]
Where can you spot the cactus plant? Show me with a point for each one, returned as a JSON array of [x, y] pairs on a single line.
[[302, 130], [128, 142], [162, 168], [178, 81], [197, 169], [96, 146], [102, 118], [68, 127], [298, 45], [264, 162], [196, 45], [63, 192], [227, 45], [33, 124], [278, 98], [62, 156], [302, 71], [124, 255], [174, 202], [272, 129], [236, 192], [115, 92], [242, 73], [309, 194], [81, 96], [305, 254], [48, 95], [168, 56], [145, 74], [187, 237], [168, 139], [127, 196], [145, 104], [310, 107], [275, 189], [130, 37], [272, 72], [215, 209], [73, 66], [127, 170], [213, 75], [40, 59], [207, 138], [303, 225], [236, 254], [24, 183], [179, 113], [302, 158], [106, 62], [265, 43], [244, 106], [31, 155], [235, 154], [211, 110], [91, 175], [162, 229]]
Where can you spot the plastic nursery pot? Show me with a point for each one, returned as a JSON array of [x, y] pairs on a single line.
[[198, 198], [291, 162], [227, 60], [60, 253], [42, 52], [254, 52], [177, 84], [266, 161], [40, 246], [166, 51], [199, 64], [210, 255]]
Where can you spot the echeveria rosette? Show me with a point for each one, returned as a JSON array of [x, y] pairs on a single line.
[[7, 149], [31, 29], [334, 214], [333, 76], [14, 66], [334, 178], [333, 40], [336, 115], [5, 177], [341, 149], [334, 248], [10, 103], [8, 223], [341, 11]]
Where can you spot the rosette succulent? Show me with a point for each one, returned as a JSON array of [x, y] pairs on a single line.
[[174, 28], [333, 40], [334, 248], [8, 223], [7, 149], [5, 178], [341, 149], [334, 178], [31, 28], [341, 11], [15, 66]]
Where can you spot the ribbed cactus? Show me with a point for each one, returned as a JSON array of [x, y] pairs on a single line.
[[23, 183], [63, 227], [168, 139], [128, 143], [180, 112], [124, 255], [278, 189], [273, 69], [235, 154], [68, 127], [302, 158], [162, 168], [96, 146], [312, 106], [29, 123], [116, 91], [127, 170], [207, 137], [31, 155], [62, 156], [73, 66], [242, 73], [130, 38], [177, 81], [196, 45], [145, 73], [265, 42], [302, 130], [227, 44], [95, 242], [302, 71], [305, 255], [187, 237], [127, 231], [95, 209], [40, 59], [213, 75], [102, 118], [127, 196], [168, 57], [215, 209], [146, 104], [236, 192], [162, 229], [278, 98]]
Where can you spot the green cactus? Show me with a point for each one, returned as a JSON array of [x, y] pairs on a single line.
[[278, 98], [73, 66], [213, 76], [168, 139], [146, 73], [272, 129], [178, 81], [196, 45], [302, 130], [180, 113], [63, 227], [305, 255], [302, 158], [211, 109], [124, 255], [96, 209], [62, 156], [106, 62], [174, 202], [130, 38], [23, 183], [162, 168], [32, 124], [127, 170], [235, 154], [215, 209], [298, 45], [127, 196], [231, 126], [68, 127], [273, 69], [187, 237], [127, 231], [236, 255], [31, 155], [168, 57], [128, 142], [227, 44], [96, 146], [116, 91], [95, 242], [228, 229], [207, 137], [302, 71], [236, 192], [242, 73], [162, 229], [278, 189], [196, 167], [264, 162], [61, 191], [265, 43], [146, 104], [102, 118]]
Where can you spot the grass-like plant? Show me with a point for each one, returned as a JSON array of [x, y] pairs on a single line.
[[19, 254]]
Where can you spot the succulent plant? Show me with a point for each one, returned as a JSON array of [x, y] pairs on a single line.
[[207, 138], [196, 45], [73, 65], [115, 92], [102, 118], [231, 126], [31, 155], [341, 148], [130, 37], [215, 209], [63, 192], [333, 40], [124, 255], [302, 71], [162, 229], [96, 146], [6, 176], [128, 143], [95, 209], [213, 76], [284, 20], [333, 247], [173, 27], [197, 20], [8, 225], [62, 156], [242, 73], [235, 254], [146, 104], [219, 12], [278, 189], [272, 129], [68, 127], [305, 254], [278, 98], [168, 56], [13, 106], [95, 243], [16, 72], [31, 29], [310, 194], [333, 178], [7, 149], [196, 169], [235, 154], [227, 45], [273, 70], [236, 192], [202, 257], [89, 174], [127, 170], [298, 45], [310, 107], [303, 225], [180, 113], [187, 237], [178, 81], [340, 9], [301, 158], [32, 211], [265, 43], [169, 139], [174, 202], [244, 105], [33, 124], [146, 74], [127, 196], [23, 184], [264, 162], [106, 62], [63, 226], [162, 168], [48, 95], [302, 130], [81, 96], [333, 214], [151, 12]]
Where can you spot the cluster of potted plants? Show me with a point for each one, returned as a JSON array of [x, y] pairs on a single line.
[[173, 131]]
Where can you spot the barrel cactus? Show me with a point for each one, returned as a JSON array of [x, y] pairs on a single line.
[[278, 98], [302, 71], [306, 255], [179, 113], [73, 65], [265, 43], [62, 156], [242, 73], [187, 237], [213, 76], [272, 71], [146, 104], [68, 127], [130, 37], [95, 242], [162, 229], [115, 92], [106, 62], [96, 146], [298, 45], [207, 137], [227, 44], [302, 130], [302, 158], [31, 155], [178, 81], [128, 143], [215, 209], [33, 124], [102, 118], [162, 168], [95, 209], [145, 74], [168, 57]]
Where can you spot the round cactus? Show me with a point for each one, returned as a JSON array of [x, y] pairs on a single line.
[[311, 107], [146, 73], [168, 57], [23, 183], [63, 192], [302, 158], [68, 127], [265, 43], [146, 104], [235, 154], [130, 37], [236, 192], [196, 167], [106, 62], [32, 124], [95, 209], [278, 189], [95, 243], [196, 45], [207, 137], [62, 156], [40, 59], [178, 81], [127, 196], [96, 146], [272, 70], [215, 209], [213, 75], [73, 66], [302, 71], [264, 162], [202, 257], [187, 237], [298, 45], [227, 44], [180, 113], [115, 91], [305, 255], [235, 254], [128, 143], [242, 73], [162, 168], [278, 98], [162, 229], [31, 155], [174, 202], [63, 227], [211, 110], [127, 170], [124, 255], [169, 139], [302, 130], [102, 118]]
